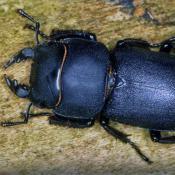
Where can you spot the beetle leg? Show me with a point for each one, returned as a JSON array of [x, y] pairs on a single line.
[[21, 91], [166, 47], [37, 24], [57, 34], [20, 56], [70, 122], [33, 28], [37, 114], [130, 42], [25, 121], [122, 137], [156, 137]]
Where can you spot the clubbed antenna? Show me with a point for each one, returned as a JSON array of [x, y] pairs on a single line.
[[37, 24]]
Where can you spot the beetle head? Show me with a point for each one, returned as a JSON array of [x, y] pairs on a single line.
[[45, 79]]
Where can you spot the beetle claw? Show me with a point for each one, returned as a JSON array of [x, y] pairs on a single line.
[[22, 55], [9, 63], [20, 90]]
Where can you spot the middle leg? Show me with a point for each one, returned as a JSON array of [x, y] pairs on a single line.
[[130, 42], [122, 137], [157, 137], [71, 122]]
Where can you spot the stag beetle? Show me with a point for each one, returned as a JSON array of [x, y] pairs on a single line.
[[79, 79]]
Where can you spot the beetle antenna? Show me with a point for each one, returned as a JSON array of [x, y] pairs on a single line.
[[37, 24], [31, 27]]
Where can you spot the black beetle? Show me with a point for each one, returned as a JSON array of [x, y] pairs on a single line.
[[79, 79]]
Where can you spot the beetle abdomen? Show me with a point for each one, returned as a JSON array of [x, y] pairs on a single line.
[[144, 94]]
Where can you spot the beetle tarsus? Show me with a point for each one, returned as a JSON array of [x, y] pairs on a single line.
[[25, 121], [8, 123], [22, 55], [37, 114]]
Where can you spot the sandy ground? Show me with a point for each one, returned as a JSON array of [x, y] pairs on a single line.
[[38, 148]]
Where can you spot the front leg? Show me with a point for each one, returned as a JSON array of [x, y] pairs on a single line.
[[25, 121], [71, 122]]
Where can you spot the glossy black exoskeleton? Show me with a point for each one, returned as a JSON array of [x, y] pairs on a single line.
[[79, 79]]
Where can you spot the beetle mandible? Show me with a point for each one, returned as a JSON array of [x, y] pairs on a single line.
[[79, 79]]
